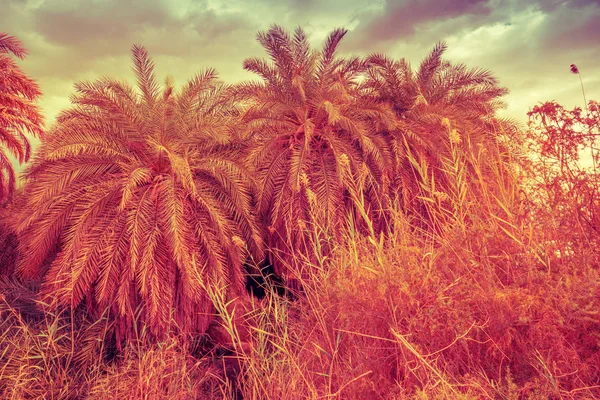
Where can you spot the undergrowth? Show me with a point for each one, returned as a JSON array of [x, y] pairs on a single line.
[[477, 315]]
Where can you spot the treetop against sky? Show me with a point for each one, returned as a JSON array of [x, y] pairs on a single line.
[[528, 45]]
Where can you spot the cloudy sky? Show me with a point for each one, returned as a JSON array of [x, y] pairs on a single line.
[[528, 44]]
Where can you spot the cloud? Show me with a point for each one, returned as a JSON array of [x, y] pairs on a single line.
[[526, 43], [402, 20], [530, 50], [89, 25], [573, 27], [101, 29], [69, 41]]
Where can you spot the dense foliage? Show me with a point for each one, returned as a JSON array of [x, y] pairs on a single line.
[[430, 248], [134, 200], [318, 154], [18, 112]]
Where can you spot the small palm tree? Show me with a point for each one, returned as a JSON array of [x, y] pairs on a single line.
[[315, 149], [437, 106], [18, 113], [133, 203]]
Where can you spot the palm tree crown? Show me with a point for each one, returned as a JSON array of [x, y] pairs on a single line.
[[440, 106], [18, 114], [133, 201], [315, 147]]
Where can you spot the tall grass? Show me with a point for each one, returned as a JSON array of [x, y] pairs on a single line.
[[472, 314], [497, 297]]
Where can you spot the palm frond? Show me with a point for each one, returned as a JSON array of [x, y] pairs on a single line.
[[10, 44], [144, 71]]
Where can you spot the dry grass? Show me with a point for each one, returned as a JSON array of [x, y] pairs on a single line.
[[488, 288], [485, 308], [483, 315]]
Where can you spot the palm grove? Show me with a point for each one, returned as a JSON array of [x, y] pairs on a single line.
[[142, 200]]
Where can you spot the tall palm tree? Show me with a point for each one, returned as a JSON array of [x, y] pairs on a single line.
[[133, 202], [440, 106], [315, 147], [18, 113]]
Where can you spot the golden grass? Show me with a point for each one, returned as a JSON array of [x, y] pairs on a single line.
[[484, 308], [470, 316], [491, 303]]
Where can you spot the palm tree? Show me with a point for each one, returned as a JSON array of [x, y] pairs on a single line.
[[315, 149], [441, 106], [133, 202], [18, 114]]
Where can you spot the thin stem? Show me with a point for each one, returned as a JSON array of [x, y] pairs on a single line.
[[583, 92], [587, 115]]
